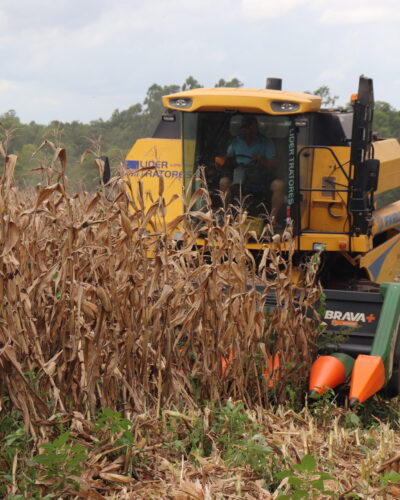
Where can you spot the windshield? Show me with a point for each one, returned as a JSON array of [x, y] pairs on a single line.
[[245, 158]]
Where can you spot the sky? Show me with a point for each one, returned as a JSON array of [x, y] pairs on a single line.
[[80, 60]]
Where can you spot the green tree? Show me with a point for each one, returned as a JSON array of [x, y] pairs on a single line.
[[153, 105], [234, 82], [386, 120], [116, 135], [9, 119], [191, 83], [328, 100]]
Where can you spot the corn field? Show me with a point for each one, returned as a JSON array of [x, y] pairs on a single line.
[[102, 309], [102, 313]]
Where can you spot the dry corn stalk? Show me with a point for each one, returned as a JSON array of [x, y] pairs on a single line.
[[131, 320]]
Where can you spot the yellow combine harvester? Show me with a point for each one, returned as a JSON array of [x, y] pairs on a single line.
[[283, 155]]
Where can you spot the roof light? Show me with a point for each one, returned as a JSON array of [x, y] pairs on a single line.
[[353, 98], [284, 107], [181, 102]]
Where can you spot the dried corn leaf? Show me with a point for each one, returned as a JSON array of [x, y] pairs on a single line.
[[11, 239], [116, 478]]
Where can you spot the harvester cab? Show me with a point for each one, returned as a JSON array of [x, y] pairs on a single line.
[[280, 154]]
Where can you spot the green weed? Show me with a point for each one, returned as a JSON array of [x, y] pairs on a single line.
[[321, 406], [240, 439], [61, 461], [305, 481], [110, 425]]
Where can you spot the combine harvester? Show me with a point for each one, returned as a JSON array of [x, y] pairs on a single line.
[[338, 184]]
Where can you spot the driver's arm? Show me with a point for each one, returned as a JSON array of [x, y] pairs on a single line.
[[265, 162], [225, 161], [268, 156]]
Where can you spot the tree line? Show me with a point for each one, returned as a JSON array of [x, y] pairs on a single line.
[[115, 136]]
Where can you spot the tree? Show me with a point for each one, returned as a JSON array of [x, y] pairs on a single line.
[[386, 120], [118, 133], [9, 119], [327, 99], [191, 83], [235, 82], [153, 105]]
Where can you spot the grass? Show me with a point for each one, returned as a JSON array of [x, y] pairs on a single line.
[[216, 453]]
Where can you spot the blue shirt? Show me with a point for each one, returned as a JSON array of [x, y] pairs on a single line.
[[261, 146]]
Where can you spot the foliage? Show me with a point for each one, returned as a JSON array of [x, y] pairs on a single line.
[[62, 460], [328, 100], [305, 481], [84, 341], [191, 83], [322, 405], [111, 426], [240, 438], [58, 466], [376, 411], [106, 325], [230, 429], [386, 120], [13, 442], [234, 82], [117, 135]]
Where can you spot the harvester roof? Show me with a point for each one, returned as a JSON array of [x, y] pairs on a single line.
[[273, 102]]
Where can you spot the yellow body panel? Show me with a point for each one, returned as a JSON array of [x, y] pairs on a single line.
[[383, 262], [147, 161], [336, 242], [328, 211], [388, 152], [244, 100], [332, 242]]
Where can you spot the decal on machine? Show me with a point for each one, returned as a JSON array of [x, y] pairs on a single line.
[[388, 220], [292, 167], [153, 168], [348, 318]]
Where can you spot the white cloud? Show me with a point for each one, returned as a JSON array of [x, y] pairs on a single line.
[[8, 86], [34, 100], [69, 60], [338, 12], [270, 9], [360, 15], [333, 76]]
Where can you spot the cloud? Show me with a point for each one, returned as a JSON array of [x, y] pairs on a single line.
[[360, 15], [270, 9], [339, 12], [17, 16], [332, 76], [34, 100], [82, 63], [9, 86], [64, 60]]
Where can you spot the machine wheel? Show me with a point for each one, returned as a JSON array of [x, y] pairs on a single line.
[[393, 386]]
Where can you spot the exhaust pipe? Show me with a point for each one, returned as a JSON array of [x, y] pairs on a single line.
[[274, 84]]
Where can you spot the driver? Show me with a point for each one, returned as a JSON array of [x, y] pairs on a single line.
[[251, 151]]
